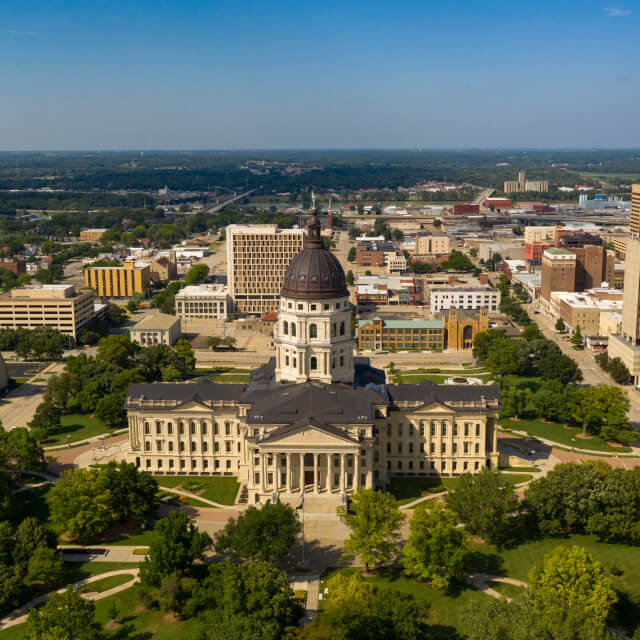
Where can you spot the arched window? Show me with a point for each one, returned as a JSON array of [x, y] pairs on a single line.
[[293, 329], [314, 362], [342, 328], [313, 331], [467, 333], [285, 328]]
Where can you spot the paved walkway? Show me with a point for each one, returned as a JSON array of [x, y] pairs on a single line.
[[19, 616], [481, 581], [115, 553], [195, 496], [100, 437]]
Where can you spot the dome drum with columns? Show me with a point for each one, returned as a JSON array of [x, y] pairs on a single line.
[[313, 334]]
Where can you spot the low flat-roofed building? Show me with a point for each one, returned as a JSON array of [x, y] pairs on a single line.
[[92, 235], [583, 309], [380, 334], [513, 267], [531, 282], [430, 244], [60, 306], [610, 323], [203, 301], [16, 267], [158, 328], [182, 253], [4, 374], [441, 298]]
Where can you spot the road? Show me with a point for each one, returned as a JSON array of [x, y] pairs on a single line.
[[479, 199], [592, 373]]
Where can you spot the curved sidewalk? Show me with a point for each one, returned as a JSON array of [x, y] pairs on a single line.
[[19, 616]]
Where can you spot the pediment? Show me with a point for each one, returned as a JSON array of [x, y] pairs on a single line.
[[434, 408], [192, 406], [309, 436]]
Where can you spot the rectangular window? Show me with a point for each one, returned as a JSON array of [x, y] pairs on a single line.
[[444, 429], [455, 428], [477, 430], [466, 429]]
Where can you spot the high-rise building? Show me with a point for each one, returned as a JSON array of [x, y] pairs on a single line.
[[257, 258], [627, 345], [558, 272], [634, 222]]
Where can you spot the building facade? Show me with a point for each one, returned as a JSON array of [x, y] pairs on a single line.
[[432, 245], [558, 272], [379, 334], [257, 258], [119, 282], [462, 326], [634, 220], [92, 235], [312, 427], [203, 301], [159, 328], [441, 298], [59, 306]]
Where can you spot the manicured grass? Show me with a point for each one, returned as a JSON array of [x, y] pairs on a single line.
[[445, 610], [221, 489], [107, 583], [79, 426], [147, 625], [524, 469], [77, 571], [506, 590], [615, 558], [411, 488], [240, 378], [532, 382], [559, 433]]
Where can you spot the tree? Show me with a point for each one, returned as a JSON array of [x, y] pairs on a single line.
[[602, 410], [214, 342], [374, 520], [133, 493], [505, 360], [80, 504], [184, 360], [349, 277], [351, 256], [46, 420], [197, 274], [30, 535], [264, 534], [561, 502], [176, 546], [516, 401], [110, 409], [22, 450], [560, 325], [436, 548], [618, 370], [45, 568], [251, 600], [573, 577], [229, 342], [118, 351], [576, 339], [65, 616], [485, 503]]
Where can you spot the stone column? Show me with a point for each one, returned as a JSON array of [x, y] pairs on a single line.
[[276, 473], [316, 478], [262, 472], [329, 472], [495, 438], [288, 485], [342, 486], [252, 479], [356, 470], [301, 458]]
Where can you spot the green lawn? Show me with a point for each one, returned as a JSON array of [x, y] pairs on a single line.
[[506, 590], [558, 433], [77, 571], [615, 558], [445, 610], [148, 625], [532, 382], [99, 586], [78, 426], [221, 489], [411, 488]]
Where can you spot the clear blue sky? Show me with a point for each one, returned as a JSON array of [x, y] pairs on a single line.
[[312, 74]]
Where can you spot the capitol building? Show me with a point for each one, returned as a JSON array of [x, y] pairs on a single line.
[[315, 418]]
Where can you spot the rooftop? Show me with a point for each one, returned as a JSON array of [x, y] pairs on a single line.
[[559, 252], [156, 321], [202, 290], [407, 323]]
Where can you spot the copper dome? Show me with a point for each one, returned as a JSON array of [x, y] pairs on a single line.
[[314, 273]]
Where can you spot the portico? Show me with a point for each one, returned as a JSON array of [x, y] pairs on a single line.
[[309, 458]]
